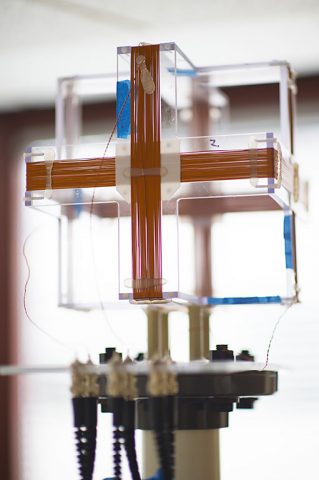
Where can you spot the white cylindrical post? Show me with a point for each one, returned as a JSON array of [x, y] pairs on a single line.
[[158, 344], [197, 454]]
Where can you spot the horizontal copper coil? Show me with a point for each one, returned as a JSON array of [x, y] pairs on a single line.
[[203, 166]]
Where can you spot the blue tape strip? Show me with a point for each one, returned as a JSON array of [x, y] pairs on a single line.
[[288, 241], [243, 300], [78, 201], [183, 72], [158, 476], [124, 122], [28, 158]]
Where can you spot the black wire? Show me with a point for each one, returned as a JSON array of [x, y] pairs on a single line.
[[86, 445], [85, 423], [130, 448], [163, 454], [160, 427], [170, 426], [117, 470], [129, 437], [116, 404], [170, 445]]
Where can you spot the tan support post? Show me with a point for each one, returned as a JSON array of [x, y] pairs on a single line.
[[158, 344], [157, 332], [197, 455], [198, 332], [197, 451]]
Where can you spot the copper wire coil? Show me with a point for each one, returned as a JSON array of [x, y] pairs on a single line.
[[146, 205], [195, 167]]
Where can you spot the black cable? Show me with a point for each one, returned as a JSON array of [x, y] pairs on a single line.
[[85, 423], [162, 454], [130, 447], [117, 469], [170, 414], [129, 438], [160, 432], [117, 409]]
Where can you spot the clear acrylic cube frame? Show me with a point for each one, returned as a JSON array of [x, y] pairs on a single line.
[[250, 220]]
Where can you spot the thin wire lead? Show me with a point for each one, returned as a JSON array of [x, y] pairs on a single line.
[[102, 306], [25, 293], [273, 335]]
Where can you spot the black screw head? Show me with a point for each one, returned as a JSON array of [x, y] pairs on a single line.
[[105, 357], [222, 352], [245, 356], [139, 357]]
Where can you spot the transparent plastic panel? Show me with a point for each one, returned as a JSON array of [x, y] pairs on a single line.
[[244, 74], [250, 255], [72, 96], [273, 79], [202, 108], [168, 87], [88, 258], [168, 92]]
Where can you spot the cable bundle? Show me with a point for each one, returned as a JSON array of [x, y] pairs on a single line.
[[130, 395], [85, 419], [85, 394], [163, 388], [121, 388]]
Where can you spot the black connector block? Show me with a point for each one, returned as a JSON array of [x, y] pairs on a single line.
[[246, 403], [222, 352], [245, 356], [107, 355]]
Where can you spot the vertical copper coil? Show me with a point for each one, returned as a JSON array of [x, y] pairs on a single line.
[[146, 189]]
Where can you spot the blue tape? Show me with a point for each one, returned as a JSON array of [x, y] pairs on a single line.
[[28, 158], [183, 72], [158, 476], [288, 241], [124, 122], [78, 201], [243, 300]]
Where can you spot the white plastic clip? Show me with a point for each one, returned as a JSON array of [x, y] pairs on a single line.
[[123, 169], [171, 167], [49, 157]]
